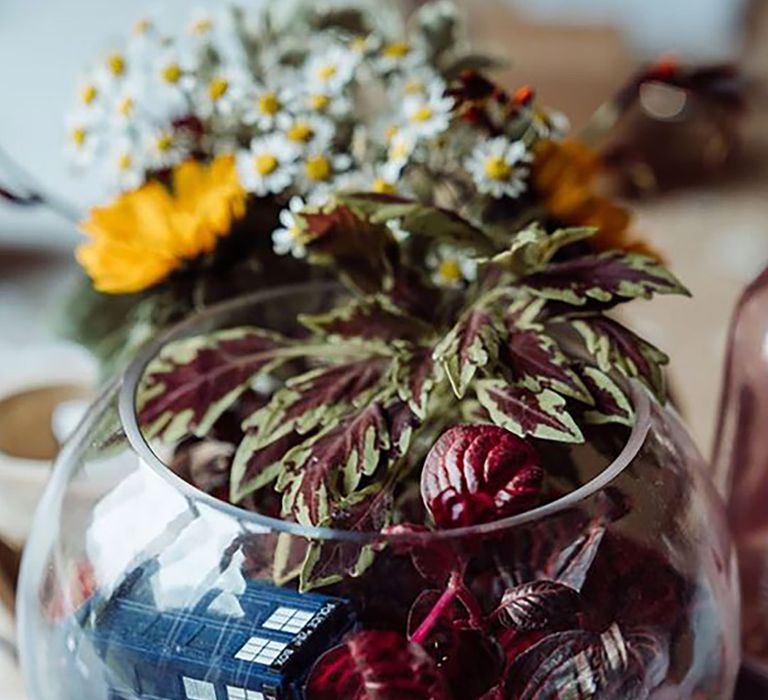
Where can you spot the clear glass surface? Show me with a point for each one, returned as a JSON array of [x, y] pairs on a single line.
[[136, 584]]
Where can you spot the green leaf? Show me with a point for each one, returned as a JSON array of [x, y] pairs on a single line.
[[316, 398], [611, 403], [612, 276], [472, 343], [539, 414], [419, 219], [615, 347], [415, 376], [370, 318], [192, 382]]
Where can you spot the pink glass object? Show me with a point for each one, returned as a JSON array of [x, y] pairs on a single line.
[[741, 462]]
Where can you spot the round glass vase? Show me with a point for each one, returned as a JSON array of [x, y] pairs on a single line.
[[136, 585]]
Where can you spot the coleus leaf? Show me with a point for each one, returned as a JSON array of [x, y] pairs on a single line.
[[472, 343], [576, 665], [330, 561], [535, 361], [479, 473], [314, 399], [194, 381], [376, 665], [524, 412], [416, 375], [611, 404], [540, 605], [370, 318], [361, 250], [419, 219], [321, 474], [614, 346], [606, 277]]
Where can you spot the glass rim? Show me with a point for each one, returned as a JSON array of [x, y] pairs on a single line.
[[127, 409]]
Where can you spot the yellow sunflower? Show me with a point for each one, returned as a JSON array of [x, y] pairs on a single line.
[[146, 234]]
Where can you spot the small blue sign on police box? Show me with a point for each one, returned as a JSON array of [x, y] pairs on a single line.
[[202, 653]]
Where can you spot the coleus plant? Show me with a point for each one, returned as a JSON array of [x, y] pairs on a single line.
[[357, 399]]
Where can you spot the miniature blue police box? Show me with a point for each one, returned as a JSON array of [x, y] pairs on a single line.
[[199, 653]]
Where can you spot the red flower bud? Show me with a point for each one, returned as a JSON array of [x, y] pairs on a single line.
[[479, 473]]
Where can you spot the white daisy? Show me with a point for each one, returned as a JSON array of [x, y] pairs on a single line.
[[318, 170], [225, 92], [331, 70], [324, 103], [399, 56], [269, 166], [125, 165], [401, 146], [451, 268], [307, 132], [396, 227], [82, 141], [499, 168], [287, 238], [419, 81], [174, 71], [428, 114], [265, 105], [164, 148]]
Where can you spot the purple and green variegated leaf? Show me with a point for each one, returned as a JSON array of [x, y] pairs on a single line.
[[327, 470], [533, 247], [614, 346], [535, 361], [370, 318], [360, 249], [416, 375], [330, 561], [471, 344], [540, 606], [540, 414], [611, 404], [253, 467], [194, 381], [317, 398], [603, 278]]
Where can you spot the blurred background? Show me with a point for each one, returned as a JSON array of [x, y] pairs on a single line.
[[708, 214]]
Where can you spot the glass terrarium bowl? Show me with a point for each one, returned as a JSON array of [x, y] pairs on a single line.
[[137, 584]]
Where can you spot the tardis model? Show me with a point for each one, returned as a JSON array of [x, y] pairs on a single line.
[[205, 652]]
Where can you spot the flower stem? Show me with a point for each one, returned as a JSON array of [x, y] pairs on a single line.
[[434, 615]]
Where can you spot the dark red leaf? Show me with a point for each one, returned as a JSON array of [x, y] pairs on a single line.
[[540, 605], [376, 665], [479, 473]]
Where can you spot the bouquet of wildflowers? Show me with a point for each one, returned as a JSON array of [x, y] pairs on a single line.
[[215, 136]]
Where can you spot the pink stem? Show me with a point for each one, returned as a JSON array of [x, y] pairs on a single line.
[[448, 596]]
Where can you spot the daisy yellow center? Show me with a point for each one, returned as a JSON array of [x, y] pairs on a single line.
[[381, 186], [399, 151], [319, 102], [318, 168], [422, 114], [125, 107], [171, 73], [399, 49], [116, 64], [358, 43], [300, 132], [269, 104], [327, 71], [217, 88], [124, 162], [88, 94], [164, 143], [78, 136], [450, 271], [414, 87], [496, 168], [295, 231], [265, 163], [390, 133], [202, 26]]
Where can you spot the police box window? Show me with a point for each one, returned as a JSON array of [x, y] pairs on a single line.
[[199, 690]]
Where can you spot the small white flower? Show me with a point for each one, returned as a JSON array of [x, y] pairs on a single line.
[[224, 92], [269, 166], [126, 167], [307, 132], [398, 56], [396, 227], [201, 24], [164, 148], [422, 80], [265, 105], [451, 268], [499, 168], [428, 114], [319, 170], [323, 102], [82, 140], [174, 71], [401, 147], [287, 238], [330, 71]]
